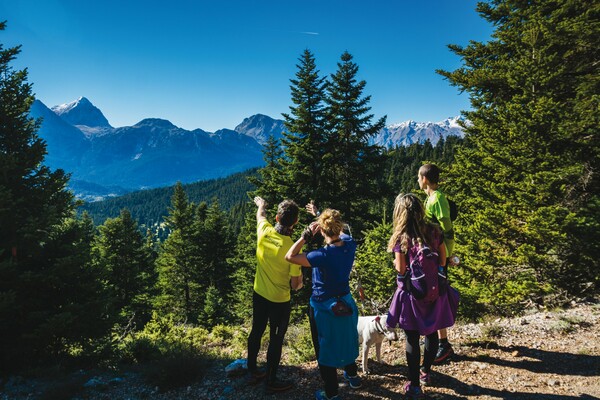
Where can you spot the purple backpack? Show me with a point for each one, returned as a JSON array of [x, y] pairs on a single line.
[[425, 280]]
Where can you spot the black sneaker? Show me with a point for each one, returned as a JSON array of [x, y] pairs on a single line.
[[277, 385], [445, 351], [255, 376]]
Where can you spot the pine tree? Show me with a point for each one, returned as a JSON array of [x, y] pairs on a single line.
[[527, 180], [215, 272], [304, 144], [42, 254], [271, 183], [352, 165], [125, 260], [374, 271], [243, 264], [179, 281]]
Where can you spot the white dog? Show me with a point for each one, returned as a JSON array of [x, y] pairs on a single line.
[[372, 330]]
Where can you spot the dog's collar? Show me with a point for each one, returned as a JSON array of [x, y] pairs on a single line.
[[378, 326]]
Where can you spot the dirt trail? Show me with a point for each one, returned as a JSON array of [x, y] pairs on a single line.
[[539, 356], [542, 355]]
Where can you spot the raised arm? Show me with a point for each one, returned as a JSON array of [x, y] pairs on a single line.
[[261, 211], [293, 255]]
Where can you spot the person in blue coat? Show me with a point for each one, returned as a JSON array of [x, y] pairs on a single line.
[[334, 308]]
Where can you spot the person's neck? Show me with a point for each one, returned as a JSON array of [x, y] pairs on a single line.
[[334, 241], [430, 189], [284, 230]]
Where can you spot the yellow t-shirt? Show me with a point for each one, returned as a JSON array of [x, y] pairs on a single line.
[[273, 272]]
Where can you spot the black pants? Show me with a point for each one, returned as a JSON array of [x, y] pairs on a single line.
[[328, 374], [277, 315], [413, 354]]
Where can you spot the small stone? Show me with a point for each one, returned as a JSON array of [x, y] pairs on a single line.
[[553, 382], [515, 353], [524, 321], [93, 383]]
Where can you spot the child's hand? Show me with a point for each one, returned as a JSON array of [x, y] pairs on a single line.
[[453, 260], [312, 209]]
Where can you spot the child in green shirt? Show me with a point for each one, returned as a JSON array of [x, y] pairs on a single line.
[[437, 210]]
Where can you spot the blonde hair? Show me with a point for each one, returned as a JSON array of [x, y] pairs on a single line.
[[409, 223], [330, 222]]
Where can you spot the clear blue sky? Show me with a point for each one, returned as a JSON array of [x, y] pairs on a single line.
[[210, 64]]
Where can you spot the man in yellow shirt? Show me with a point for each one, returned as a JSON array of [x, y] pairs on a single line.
[[271, 298]]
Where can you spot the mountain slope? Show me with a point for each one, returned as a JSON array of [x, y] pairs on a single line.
[[151, 153], [260, 127], [149, 207], [65, 143], [155, 153]]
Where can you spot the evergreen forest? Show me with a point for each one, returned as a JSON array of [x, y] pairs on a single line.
[[165, 274]]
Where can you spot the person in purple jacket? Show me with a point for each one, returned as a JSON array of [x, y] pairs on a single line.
[[417, 316]]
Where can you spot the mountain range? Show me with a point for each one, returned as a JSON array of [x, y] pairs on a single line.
[[106, 161]]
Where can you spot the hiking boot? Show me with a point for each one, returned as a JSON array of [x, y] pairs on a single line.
[[413, 392], [353, 381], [254, 377], [444, 352], [320, 395], [424, 378], [278, 385]]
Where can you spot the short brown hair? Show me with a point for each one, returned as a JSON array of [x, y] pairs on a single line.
[[431, 172], [287, 213]]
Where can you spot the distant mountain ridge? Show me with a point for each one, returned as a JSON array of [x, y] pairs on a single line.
[[155, 153], [409, 132]]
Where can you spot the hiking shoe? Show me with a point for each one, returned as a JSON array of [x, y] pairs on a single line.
[[413, 392], [320, 395], [278, 385], [255, 376], [424, 378], [444, 352], [353, 381]]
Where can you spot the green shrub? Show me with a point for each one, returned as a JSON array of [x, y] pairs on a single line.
[[162, 337], [299, 343]]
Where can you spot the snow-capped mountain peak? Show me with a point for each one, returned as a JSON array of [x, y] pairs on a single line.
[[65, 108], [81, 112]]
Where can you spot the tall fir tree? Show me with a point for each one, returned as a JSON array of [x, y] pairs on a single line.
[[352, 166], [128, 271], [179, 282], [527, 181], [304, 143], [243, 263], [39, 272], [214, 270], [270, 184]]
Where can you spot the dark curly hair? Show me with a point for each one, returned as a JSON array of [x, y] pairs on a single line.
[[287, 213]]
